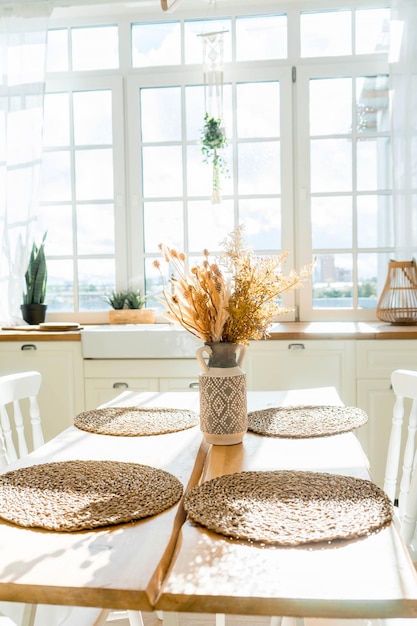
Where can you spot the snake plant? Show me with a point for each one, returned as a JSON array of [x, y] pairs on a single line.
[[36, 275]]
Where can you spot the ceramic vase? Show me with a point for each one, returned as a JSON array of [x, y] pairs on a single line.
[[223, 397]]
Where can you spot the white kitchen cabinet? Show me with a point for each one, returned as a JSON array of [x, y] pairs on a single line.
[[62, 391], [301, 365], [375, 361], [107, 378]]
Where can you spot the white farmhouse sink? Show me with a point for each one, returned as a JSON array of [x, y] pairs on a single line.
[[138, 341]]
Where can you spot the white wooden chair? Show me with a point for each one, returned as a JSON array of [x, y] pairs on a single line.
[[15, 390], [400, 478], [400, 484]]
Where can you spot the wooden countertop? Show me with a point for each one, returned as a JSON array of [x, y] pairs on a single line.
[[341, 330], [39, 335], [279, 331]]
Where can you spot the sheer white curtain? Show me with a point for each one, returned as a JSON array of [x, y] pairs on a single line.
[[23, 37], [403, 71]]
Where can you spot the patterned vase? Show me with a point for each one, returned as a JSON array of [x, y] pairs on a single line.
[[222, 384]]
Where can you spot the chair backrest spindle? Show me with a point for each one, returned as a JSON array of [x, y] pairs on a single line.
[[394, 448]]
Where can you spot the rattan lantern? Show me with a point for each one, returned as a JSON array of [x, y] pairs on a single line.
[[398, 301]]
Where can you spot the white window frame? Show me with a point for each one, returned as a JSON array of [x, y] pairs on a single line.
[[303, 194], [296, 238]]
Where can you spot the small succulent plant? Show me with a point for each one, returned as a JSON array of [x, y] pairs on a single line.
[[126, 299]]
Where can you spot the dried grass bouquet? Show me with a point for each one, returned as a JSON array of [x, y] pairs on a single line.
[[233, 298]]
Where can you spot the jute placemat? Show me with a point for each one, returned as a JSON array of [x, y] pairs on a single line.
[[132, 421], [289, 508], [306, 421], [79, 495]]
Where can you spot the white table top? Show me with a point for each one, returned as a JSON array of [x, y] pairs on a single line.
[[168, 563]]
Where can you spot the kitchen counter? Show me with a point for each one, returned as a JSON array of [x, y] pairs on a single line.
[[39, 335], [279, 331]]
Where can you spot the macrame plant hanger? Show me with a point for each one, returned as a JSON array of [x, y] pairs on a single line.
[[214, 137]]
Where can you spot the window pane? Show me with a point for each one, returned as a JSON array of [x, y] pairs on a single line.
[[57, 220], [23, 60], [261, 37], [156, 44], [18, 192], [153, 282], [94, 174], [331, 165], [56, 128], [56, 176], [193, 41], [327, 215], [375, 221], [372, 30], [3, 109], [373, 164], [163, 223], [369, 267], [161, 114], [95, 48], [259, 168], [21, 125], [258, 111], [262, 220], [57, 50], [96, 279], [95, 229], [60, 290], [199, 174], [326, 33], [162, 171], [195, 108], [209, 224], [92, 117], [332, 281], [372, 106], [330, 106]]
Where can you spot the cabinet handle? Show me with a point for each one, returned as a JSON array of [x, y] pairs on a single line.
[[120, 386], [296, 346], [28, 346], [193, 386]]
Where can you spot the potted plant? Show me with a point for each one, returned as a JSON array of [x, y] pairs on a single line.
[[36, 276], [213, 142], [128, 308]]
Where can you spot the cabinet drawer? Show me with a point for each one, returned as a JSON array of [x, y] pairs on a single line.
[[98, 391], [302, 364], [119, 369], [378, 359]]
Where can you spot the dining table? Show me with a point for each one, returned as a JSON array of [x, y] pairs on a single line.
[[170, 563]]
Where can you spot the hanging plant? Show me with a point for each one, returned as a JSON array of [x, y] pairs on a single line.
[[214, 140]]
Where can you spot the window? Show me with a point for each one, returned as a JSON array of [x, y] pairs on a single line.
[[305, 108]]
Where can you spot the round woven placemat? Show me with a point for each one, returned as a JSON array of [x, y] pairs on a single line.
[[306, 421], [289, 508], [79, 495], [134, 421]]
